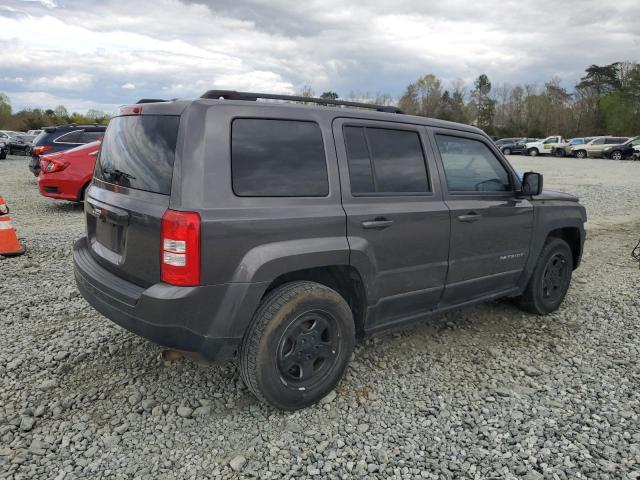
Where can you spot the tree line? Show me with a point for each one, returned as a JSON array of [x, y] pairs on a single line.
[[33, 119], [606, 100]]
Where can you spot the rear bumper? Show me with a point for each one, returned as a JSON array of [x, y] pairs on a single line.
[[208, 320], [62, 185]]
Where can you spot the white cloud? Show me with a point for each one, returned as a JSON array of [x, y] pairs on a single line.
[[117, 51], [68, 81]]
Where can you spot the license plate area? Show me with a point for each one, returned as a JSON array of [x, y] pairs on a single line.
[[110, 235], [107, 230]]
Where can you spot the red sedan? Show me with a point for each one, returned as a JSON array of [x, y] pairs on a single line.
[[66, 175]]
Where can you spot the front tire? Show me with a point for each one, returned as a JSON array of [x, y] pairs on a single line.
[[617, 155], [560, 152], [551, 278], [298, 345], [506, 151], [581, 154], [533, 152]]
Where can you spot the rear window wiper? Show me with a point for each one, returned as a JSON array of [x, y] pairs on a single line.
[[118, 173]]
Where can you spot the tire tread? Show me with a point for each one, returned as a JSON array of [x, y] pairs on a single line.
[[269, 307], [528, 299]]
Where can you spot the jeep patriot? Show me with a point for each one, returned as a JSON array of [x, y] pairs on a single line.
[[279, 232]]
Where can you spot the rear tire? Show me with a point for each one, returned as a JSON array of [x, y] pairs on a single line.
[[560, 152], [298, 345], [550, 280], [617, 155]]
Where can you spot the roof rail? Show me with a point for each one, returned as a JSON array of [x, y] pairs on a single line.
[[234, 95], [151, 100]]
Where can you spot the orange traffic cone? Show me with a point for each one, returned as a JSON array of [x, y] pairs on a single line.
[[9, 244]]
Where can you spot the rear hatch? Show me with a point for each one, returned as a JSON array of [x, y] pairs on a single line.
[[130, 194]]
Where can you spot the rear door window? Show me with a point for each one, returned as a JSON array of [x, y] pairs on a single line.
[[138, 152], [278, 158], [385, 161]]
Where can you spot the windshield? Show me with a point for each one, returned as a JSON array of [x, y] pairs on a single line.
[[138, 152]]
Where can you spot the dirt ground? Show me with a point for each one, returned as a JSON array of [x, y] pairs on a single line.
[[483, 392]]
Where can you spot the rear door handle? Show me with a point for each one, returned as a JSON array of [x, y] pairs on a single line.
[[470, 218], [377, 224]]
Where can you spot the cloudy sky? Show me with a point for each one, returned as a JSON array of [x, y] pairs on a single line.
[[102, 54]]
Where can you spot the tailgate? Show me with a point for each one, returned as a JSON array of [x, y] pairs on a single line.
[[130, 194]]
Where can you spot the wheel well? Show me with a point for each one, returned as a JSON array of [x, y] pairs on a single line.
[[571, 235], [344, 279]]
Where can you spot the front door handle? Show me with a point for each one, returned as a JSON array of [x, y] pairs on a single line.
[[377, 223], [470, 218]]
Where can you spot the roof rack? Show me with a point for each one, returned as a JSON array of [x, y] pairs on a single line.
[[234, 95]]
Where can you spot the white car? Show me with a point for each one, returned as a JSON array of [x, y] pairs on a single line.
[[35, 133], [543, 147], [636, 152], [7, 134]]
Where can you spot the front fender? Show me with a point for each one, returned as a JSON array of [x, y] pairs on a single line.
[[550, 215]]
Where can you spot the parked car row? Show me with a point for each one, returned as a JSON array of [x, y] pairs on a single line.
[[62, 157], [62, 138], [615, 148]]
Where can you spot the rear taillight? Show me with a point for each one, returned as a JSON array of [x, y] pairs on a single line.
[[51, 166], [41, 149], [180, 248]]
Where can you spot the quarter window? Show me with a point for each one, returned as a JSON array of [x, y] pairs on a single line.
[[278, 158], [470, 166], [71, 137], [88, 137], [385, 161]]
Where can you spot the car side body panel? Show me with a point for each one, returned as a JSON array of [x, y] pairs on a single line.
[[248, 243]]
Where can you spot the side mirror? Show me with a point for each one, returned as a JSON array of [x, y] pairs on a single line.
[[532, 183]]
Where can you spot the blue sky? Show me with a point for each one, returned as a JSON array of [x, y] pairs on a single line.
[[102, 54]]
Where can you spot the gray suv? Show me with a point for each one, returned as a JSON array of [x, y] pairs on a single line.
[[279, 233]]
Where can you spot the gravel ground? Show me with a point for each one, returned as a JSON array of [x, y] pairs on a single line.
[[485, 392]]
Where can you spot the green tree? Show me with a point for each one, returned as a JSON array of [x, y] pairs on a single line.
[[484, 105], [5, 111], [61, 112], [422, 97], [329, 95]]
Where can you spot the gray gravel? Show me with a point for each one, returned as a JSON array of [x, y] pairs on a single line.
[[485, 392]]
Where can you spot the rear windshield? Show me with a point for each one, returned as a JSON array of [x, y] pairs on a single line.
[[41, 136], [138, 152]]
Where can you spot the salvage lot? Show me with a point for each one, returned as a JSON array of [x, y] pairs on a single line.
[[485, 392]]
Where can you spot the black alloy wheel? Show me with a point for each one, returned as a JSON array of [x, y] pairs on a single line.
[[554, 278], [308, 349]]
